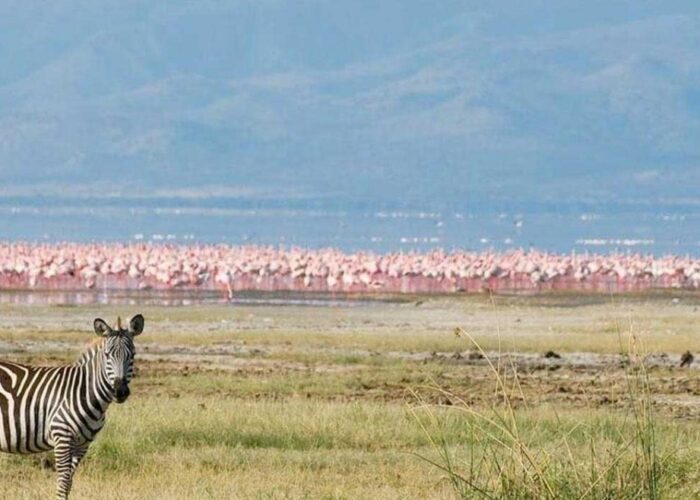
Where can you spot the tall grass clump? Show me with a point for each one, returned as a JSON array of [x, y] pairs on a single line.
[[515, 451]]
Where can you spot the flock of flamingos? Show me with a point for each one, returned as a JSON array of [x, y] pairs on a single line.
[[229, 269]]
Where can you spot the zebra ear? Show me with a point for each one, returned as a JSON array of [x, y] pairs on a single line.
[[102, 328], [136, 325]]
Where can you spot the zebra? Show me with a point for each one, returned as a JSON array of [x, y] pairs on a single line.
[[63, 408]]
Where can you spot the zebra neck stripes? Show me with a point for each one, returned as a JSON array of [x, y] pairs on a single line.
[[92, 363]]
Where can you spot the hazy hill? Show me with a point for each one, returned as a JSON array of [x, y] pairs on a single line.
[[396, 101]]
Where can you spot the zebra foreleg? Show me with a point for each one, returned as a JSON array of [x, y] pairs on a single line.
[[67, 458]]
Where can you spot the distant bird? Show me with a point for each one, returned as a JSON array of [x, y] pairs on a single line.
[[687, 359]]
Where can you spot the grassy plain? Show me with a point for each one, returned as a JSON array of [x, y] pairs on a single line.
[[340, 402]]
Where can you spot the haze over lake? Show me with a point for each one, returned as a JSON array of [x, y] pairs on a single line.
[[558, 227]]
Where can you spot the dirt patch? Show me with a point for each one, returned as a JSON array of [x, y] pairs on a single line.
[[210, 361], [529, 361], [578, 379]]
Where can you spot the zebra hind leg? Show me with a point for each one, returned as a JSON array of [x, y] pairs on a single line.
[[78, 454]]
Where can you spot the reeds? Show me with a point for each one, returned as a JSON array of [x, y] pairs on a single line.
[[515, 451]]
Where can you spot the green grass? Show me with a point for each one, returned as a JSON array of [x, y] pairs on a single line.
[[512, 456], [174, 448], [563, 455], [561, 322], [318, 404]]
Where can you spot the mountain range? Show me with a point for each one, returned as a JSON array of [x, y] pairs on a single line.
[[391, 102]]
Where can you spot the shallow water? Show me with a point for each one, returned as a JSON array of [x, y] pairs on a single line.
[[178, 298]]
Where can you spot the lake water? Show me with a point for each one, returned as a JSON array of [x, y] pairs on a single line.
[[560, 228], [179, 298]]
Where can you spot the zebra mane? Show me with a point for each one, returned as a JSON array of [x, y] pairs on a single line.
[[95, 345]]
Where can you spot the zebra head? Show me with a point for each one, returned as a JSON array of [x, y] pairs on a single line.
[[118, 351]]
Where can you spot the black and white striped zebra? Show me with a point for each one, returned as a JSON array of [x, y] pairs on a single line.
[[63, 408]]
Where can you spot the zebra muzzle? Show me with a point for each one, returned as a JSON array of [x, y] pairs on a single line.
[[121, 390]]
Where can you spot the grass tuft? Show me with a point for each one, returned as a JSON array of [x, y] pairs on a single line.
[[510, 455]]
